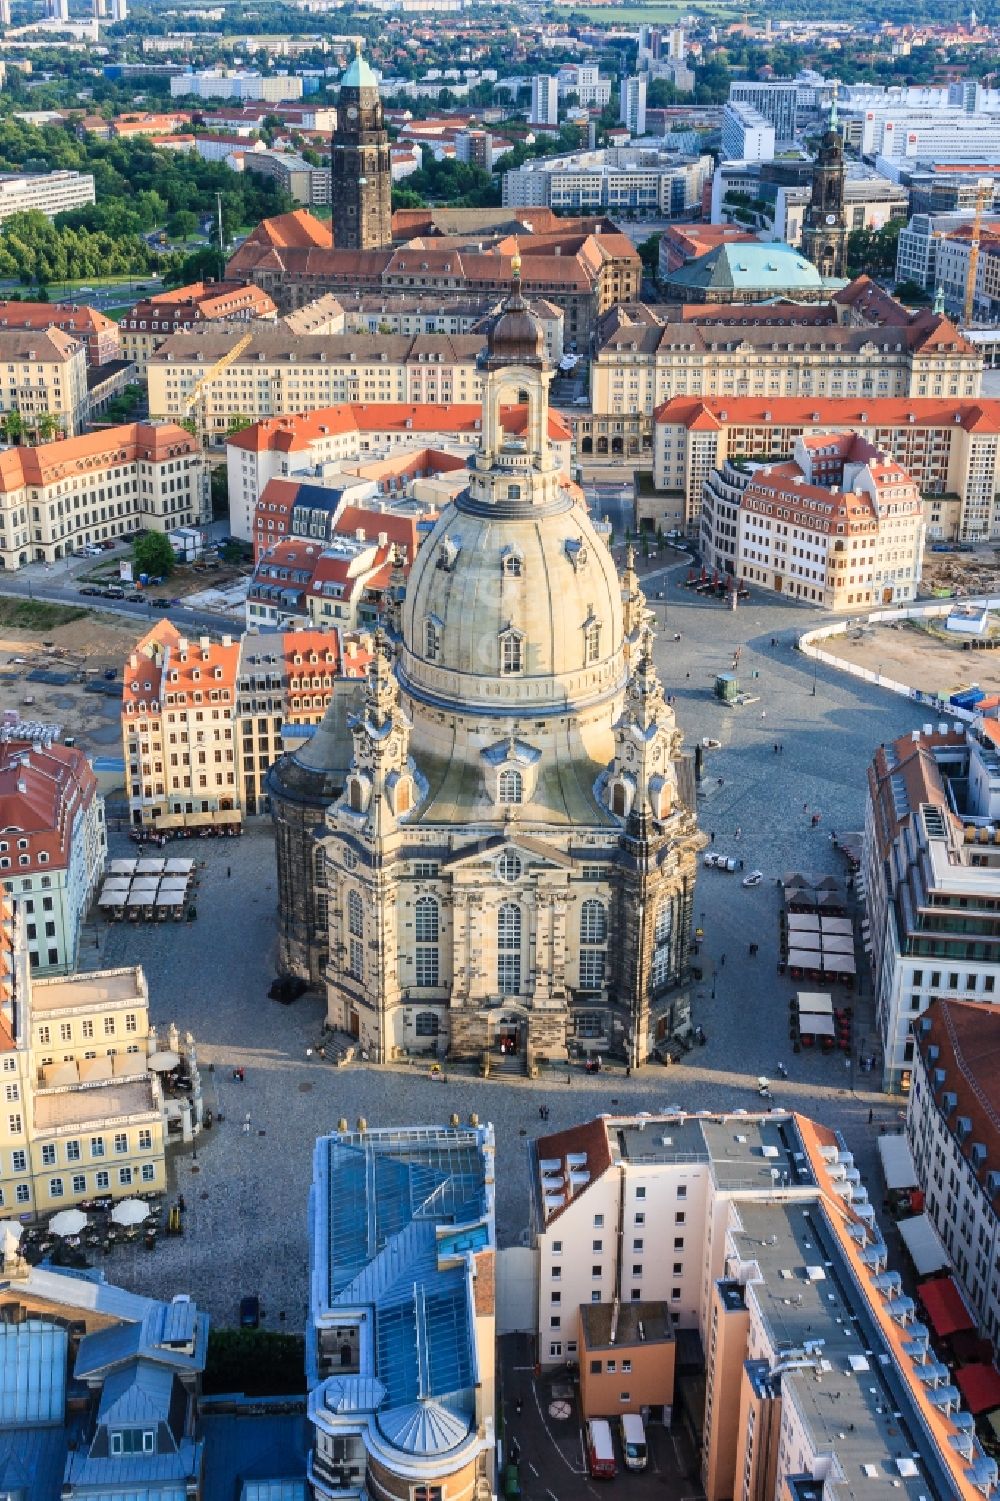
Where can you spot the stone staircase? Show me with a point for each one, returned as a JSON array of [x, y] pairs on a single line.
[[508, 1065]]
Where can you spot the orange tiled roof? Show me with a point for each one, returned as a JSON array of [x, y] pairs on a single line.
[[179, 668], [41, 794], [974, 414], [287, 434], [44, 465]]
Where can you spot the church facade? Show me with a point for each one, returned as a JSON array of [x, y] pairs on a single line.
[[508, 873]]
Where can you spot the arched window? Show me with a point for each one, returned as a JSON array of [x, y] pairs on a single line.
[[355, 795], [509, 867], [432, 640], [356, 936], [662, 935], [427, 1024], [509, 949], [511, 654], [592, 643], [511, 786], [512, 563], [593, 944], [426, 927], [618, 800]]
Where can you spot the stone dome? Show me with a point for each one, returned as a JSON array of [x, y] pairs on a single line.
[[516, 610], [515, 336]]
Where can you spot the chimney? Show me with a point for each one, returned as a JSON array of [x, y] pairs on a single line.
[[614, 1323]]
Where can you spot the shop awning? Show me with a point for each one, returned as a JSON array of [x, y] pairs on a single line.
[[837, 943], [813, 1025], [921, 1241], [816, 1001], [897, 1162], [803, 922], [836, 925], [804, 959], [980, 1387], [838, 964], [944, 1305]]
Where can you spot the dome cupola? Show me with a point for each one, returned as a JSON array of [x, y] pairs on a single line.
[[515, 336]]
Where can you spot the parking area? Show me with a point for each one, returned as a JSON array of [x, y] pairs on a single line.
[[542, 1423]]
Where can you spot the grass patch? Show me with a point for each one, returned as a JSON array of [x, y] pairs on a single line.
[[37, 615]]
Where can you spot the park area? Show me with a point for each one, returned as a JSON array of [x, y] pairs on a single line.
[[920, 654]]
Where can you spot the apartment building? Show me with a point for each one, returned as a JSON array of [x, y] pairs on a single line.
[[344, 578], [611, 179], [953, 1128], [756, 1232], [44, 372], [838, 524], [644, 355], [98, 333], [424, 313], [544, 100], [150, 322], [747, 135], [281, 372], [221, 83], [401, 1333], [53, 846], [950, 449], [83, 1114], [922, 862], [919, 240], [954, 251], [303, 182], [632, 108], [202, 722], [315, 442], [49, 193], [61, 496]]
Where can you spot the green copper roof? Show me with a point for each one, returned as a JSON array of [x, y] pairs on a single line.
[[770, 266], [358, 75]]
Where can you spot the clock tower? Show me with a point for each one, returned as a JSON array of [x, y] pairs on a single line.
[[824, 232], [361, 176]]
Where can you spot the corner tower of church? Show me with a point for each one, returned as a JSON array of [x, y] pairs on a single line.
[[507, 876]]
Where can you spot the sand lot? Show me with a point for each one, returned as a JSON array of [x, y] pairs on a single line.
[[918, 658]]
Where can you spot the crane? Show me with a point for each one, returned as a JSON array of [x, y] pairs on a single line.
[[984, 190], [200, 386]]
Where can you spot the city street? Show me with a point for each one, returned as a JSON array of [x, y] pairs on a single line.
[[246, 1217]]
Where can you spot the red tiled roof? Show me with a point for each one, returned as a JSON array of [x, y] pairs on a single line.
[[296, 431], [41, 793], [974, 414], [154, 441]]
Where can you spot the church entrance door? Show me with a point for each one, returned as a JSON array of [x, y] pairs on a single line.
[[508, 1037], [354, 1022]]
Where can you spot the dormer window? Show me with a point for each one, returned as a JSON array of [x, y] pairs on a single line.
[[512, 564], [510, 786], [432, 638], [592, 642]]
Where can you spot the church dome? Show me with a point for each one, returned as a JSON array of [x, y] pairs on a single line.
[[513, 613], [514, 335]]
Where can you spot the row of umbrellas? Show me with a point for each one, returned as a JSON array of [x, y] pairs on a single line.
[[73, 1221]]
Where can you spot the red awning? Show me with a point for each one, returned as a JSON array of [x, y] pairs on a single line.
[[944, 1306], [980, 1387]]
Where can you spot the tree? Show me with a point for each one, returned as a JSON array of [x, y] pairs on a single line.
[[649, 254], [154, 555], [237, 422], [182, 224], [13, 426], [48, 425]]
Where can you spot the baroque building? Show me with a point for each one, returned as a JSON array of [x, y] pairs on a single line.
[[509, 869], [361, 164], [824, 230]]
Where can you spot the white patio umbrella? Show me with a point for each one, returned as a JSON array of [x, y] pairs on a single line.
[[68, 1222], [130, 1212], [11, 1227], [163, 1062]]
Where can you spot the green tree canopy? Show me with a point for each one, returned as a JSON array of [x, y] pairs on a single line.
[[154, 555]]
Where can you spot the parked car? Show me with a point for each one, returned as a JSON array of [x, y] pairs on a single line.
[[711, 858], [600, 1450], [633, 1437], [250, 1313], [754, 878], [134, 599], [89, 589], [92, 552], [161, 602]]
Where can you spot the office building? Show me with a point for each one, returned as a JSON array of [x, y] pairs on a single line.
[[582, 266], [45, 376], [857, 524], [400, 1344], [585, 82], [949, 448], [921, 859], [953, 1129], [615, 179], [360, 163], [58, 497], [780, 194], [152, 320], [84, 1114], [544, 100], [632, 110], [777, 101], [747, 135], [954, 251], [53, 846], [917, 247]]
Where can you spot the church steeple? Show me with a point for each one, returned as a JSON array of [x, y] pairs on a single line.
[[380, 783], [642, 781], [824, 231]]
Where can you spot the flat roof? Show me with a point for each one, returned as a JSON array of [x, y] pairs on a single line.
[[91, 1106], [850, 1393], [751, 1151], [101, 988], [635, 1324]]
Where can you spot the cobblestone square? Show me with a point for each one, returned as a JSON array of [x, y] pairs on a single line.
[[246, 1194]]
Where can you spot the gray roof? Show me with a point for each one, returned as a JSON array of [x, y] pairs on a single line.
[[86, 1290], [32, 1373], [254, 1458], [275, 342], [32, 1462], [743, 1151], [161, 1335]]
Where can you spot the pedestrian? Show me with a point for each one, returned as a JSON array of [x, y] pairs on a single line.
[[805, 807], [181, 1205], [687, 674], [236, 1073], [517, 1406], [775, 750], [246, 1124], [871, 1115], [229, 871], [628, 1070], [243, 1074], [722, 961], [763, 713], [712, 837], [739, 831], [541, 1112]]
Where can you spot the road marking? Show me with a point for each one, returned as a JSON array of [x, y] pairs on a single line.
[[532, 1469], [548, 1430]]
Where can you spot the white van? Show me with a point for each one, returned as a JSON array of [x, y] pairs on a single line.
[[600, 1450], [633, 1437]]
